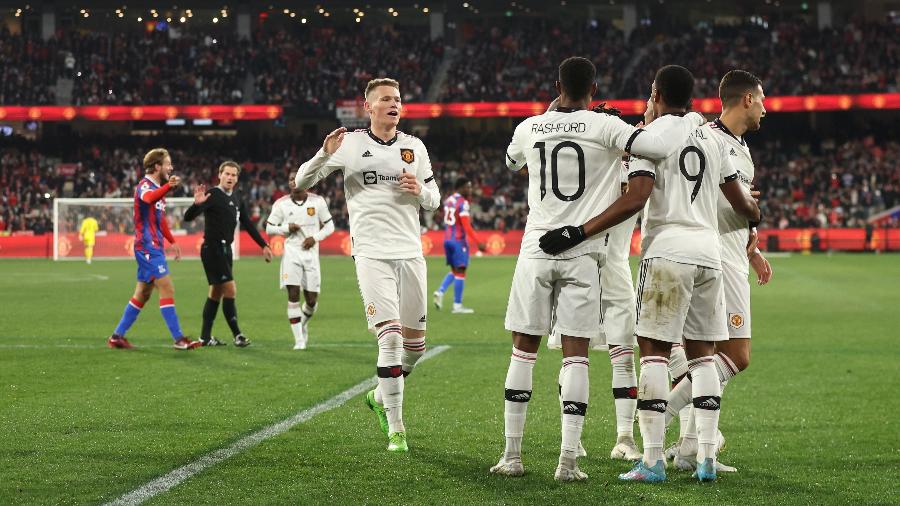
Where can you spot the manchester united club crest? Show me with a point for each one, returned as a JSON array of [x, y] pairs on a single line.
[[311, 211], [736, 320], [407, 155]]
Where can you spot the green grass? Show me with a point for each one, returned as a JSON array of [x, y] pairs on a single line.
[[813, 421]]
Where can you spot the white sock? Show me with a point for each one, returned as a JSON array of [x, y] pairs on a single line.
[[707, 399], [574, 403], [624, 388], [652, 393], [413, 349], [677, 363], [295, 317], [390, 375], [517, 393], [684, 418], [679, 397], [308, 312], [724, 367]]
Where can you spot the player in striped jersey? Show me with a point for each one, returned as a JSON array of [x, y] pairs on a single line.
[[458, 232], [150, 231], [742, 111]]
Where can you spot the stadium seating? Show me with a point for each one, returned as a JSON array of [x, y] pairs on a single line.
[[309, 69], [826, 184]]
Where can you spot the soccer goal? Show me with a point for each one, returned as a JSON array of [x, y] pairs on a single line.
[[115, 217]]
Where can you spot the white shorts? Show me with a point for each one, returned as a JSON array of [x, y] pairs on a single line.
[[675, 300], [564, 294], [393, 290], [617, 307], [737, 302], [302, 272]]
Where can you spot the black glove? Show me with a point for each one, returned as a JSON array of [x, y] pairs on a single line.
[[556, 241], [607, 110]]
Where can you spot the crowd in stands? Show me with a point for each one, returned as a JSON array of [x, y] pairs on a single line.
[[519, 61], [791, 58], [494, 60], [829, 184], [823, 184], [312, 69]]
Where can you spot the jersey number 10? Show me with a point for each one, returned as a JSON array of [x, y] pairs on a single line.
[[554, 174]]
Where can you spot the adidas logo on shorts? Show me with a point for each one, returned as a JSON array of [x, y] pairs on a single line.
[[565, 233]]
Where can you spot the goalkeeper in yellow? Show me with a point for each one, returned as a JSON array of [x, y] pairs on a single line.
[[86, 234]]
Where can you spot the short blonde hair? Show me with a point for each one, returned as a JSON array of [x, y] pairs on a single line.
[[381, 81], [153, 157], [230, 163]]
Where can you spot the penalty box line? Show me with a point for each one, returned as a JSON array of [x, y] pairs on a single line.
[[174, 478]]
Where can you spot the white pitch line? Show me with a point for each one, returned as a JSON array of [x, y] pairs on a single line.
[[174, 478]]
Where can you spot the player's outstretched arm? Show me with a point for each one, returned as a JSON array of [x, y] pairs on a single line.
[[662, 137], [640, 186], [324, 162]]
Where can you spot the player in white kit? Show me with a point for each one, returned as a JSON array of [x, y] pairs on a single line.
[[573, 157], [304, 221], [616, 333], [680, 289], [742, 111], [387, 179]]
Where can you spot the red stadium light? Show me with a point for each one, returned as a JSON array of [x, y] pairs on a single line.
[[711, 105], [631, 107], [141, 113]]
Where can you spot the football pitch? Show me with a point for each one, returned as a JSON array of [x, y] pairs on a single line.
[[814, 420]]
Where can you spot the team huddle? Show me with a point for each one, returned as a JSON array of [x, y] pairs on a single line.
[[589, 174]]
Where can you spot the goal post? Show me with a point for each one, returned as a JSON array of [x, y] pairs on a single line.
[[115, 239]]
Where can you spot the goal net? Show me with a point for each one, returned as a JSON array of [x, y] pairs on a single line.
[[115, 238]]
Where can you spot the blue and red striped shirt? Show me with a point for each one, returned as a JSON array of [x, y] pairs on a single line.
[[148, 219], [455, 207]]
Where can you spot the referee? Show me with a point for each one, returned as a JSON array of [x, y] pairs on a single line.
[[222, 208]]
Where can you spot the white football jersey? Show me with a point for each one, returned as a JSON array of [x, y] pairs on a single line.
[[573, 159], [734, 229], [384, 221], [311, 214], [681, 216]]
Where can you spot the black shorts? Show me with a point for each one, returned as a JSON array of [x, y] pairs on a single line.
[[217, 260]]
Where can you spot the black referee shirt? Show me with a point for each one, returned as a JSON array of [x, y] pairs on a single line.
[[221, 212]]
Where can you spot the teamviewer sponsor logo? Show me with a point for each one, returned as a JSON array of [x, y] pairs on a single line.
[[370, 177]]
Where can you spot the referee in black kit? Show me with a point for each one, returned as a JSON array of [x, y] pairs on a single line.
[[222, 208]]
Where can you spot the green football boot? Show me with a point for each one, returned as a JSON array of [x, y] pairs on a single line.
[[397, 442], [378, 410]]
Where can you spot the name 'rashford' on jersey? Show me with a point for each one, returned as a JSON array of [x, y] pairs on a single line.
[[574, 165], [734, 229], [681, 215], [384, 220]]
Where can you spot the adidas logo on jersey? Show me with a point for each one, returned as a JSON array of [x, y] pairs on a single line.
[[367, 154], [733, 152]]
